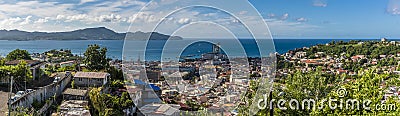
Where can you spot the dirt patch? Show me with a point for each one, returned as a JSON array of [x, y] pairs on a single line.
[[3, 103]]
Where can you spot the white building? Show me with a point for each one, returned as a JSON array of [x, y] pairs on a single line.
[[91, 79]]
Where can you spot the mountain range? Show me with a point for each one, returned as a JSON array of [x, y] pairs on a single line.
[[98, 33]]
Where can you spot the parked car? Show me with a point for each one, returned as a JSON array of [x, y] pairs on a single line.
[[67, 73], [14, 98], [29, 90], [56, 79], [20, 93]]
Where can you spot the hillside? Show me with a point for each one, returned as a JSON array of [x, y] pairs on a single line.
[[99, 33]]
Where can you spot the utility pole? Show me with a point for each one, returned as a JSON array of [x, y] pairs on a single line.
[[271, 111], [9, 95], [25, 79]]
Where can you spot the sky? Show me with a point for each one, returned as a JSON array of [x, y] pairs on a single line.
[[291, 19]]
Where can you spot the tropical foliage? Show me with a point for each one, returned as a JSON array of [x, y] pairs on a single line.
[[95, 58], [18, 54], [107, 104]]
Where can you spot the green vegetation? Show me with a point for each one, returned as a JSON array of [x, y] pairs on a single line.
[[372, 49], [73, 84], [18, 54], [62, 55], [37, 104], [108, 105], [95, 58], [19, 72], [59, 53], [115, 74]]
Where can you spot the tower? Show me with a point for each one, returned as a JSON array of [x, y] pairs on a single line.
[[216, 48]]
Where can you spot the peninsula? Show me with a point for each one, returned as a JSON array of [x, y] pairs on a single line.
[[98, 33]]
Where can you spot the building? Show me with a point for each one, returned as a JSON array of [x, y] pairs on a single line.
[[74, 94], [67, 63], [153, 76], [74, 108], [383, 39], [213, 56], [91, 79]]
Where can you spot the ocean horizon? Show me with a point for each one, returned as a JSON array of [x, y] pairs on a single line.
[[115, 47]]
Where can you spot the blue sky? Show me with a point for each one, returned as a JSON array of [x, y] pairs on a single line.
[[330, 19]]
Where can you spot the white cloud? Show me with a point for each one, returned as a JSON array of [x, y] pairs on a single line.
[[393, 7], [146, 17], [10, 21], [70, 18], [184, 21], [320, 3], [302, 19], [110, 18], [86, 1], [285, 16], [42, 20], [36, 8], [56, 16], [242, 12], [27, 20], [271, 15]]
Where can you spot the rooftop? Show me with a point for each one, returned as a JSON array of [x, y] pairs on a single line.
[[91, 75], [74, 108], [76, 92], [29, 62]]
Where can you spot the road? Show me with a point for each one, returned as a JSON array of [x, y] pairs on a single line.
[[3, 103]]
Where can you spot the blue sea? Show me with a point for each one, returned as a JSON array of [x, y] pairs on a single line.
[[154, 48]]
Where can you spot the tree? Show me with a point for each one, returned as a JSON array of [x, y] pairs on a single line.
[[2, 62], [106, 104], [97, 100], [19, 71], [115, 74], [18, 54], [95, 57]]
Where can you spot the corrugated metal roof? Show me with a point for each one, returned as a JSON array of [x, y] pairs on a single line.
[[91, 74], [77, 92]]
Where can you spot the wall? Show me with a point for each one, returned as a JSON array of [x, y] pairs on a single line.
[[42, 94]]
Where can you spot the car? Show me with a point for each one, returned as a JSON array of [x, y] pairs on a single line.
[[29, 90], [20, 93], [67, 73], [56, 79], [14, 98]]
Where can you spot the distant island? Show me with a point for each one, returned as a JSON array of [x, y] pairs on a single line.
[[98, 33]]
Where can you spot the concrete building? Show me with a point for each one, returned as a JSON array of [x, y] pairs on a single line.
[[74, 108], [74, 94], [67, 63], [91, 79]]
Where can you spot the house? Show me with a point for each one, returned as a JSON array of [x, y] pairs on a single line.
[[67, 63], [90, 79], [74, 108], [74, 94], [383, 39]]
